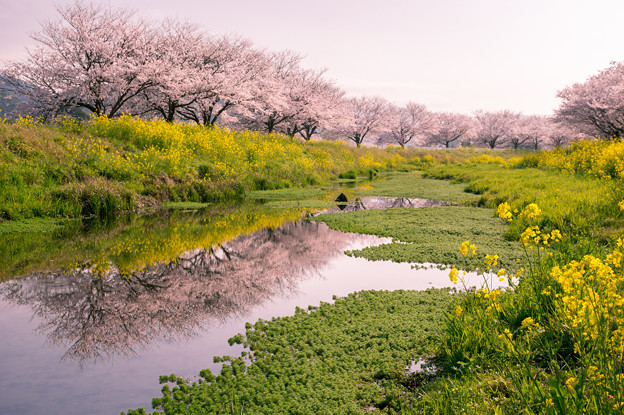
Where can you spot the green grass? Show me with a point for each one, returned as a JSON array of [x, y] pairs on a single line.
[[583, 207], [33, 225], [491, 360], [430, 235], [105, 166], [309, 204], [338, 358], [413, 185], [185, 205], [287, 194]]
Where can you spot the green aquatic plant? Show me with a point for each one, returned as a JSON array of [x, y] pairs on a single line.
[[346, 357], [428, 235]]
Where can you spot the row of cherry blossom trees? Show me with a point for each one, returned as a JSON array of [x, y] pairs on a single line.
[[108, 61]]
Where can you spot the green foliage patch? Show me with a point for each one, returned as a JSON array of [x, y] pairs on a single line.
[[579, 206], [185, 205], [341, 358], [414, 185], [430, 235], [309, 204], [286, 194], [31, 225]]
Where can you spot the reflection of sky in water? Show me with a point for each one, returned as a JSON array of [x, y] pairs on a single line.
[[306, 258]]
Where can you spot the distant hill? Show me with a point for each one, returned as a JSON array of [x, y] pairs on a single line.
[[9, 101]]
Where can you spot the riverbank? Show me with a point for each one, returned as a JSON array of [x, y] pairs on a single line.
[[105, 166]]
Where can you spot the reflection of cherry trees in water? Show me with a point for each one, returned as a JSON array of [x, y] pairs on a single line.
[[100, 317], [373, 202]]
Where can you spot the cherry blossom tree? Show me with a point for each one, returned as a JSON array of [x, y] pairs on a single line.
[[493, 129], [317, 104], [527, 128], [412, 121], [278, 94], [327, 107], [177, 80], [363, 116], [595, 107], [450, 128], [559, 134], [539, 131], [231, 73], [91, 57]]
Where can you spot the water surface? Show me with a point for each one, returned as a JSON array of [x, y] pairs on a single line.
[[92, 323]]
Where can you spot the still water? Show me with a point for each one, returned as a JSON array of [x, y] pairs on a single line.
[[101, 310]]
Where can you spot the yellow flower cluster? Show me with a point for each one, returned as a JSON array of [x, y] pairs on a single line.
[[504, 211], [532, 234], [26, 121], [491, 260], [598, 158], [465, 246], [529, 324], [176, 149], [531, 211], [592, 302], [453, 274]]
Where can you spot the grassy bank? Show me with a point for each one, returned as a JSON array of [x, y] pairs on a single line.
[[554, 344], [105, 166]]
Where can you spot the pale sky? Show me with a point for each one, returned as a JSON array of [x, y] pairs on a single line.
[[451, 55]]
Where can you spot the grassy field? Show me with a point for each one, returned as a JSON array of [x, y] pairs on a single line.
[[554, 344]]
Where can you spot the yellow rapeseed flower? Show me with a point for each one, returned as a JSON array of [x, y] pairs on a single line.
[[453, 275], [464, 247], [504, 211], [531, 211], [572, 382], [528, 324]]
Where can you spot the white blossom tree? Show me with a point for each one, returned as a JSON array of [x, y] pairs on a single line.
[[451, 127], [316, 103], [91, 57], [231, 73], [362, 117], [278, 96], [534, 131], [493, 129], [177, 80], [559, 134], [595, 107], [411, 122], [327, 108]]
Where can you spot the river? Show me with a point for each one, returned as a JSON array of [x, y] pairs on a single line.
[[101, 310]]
